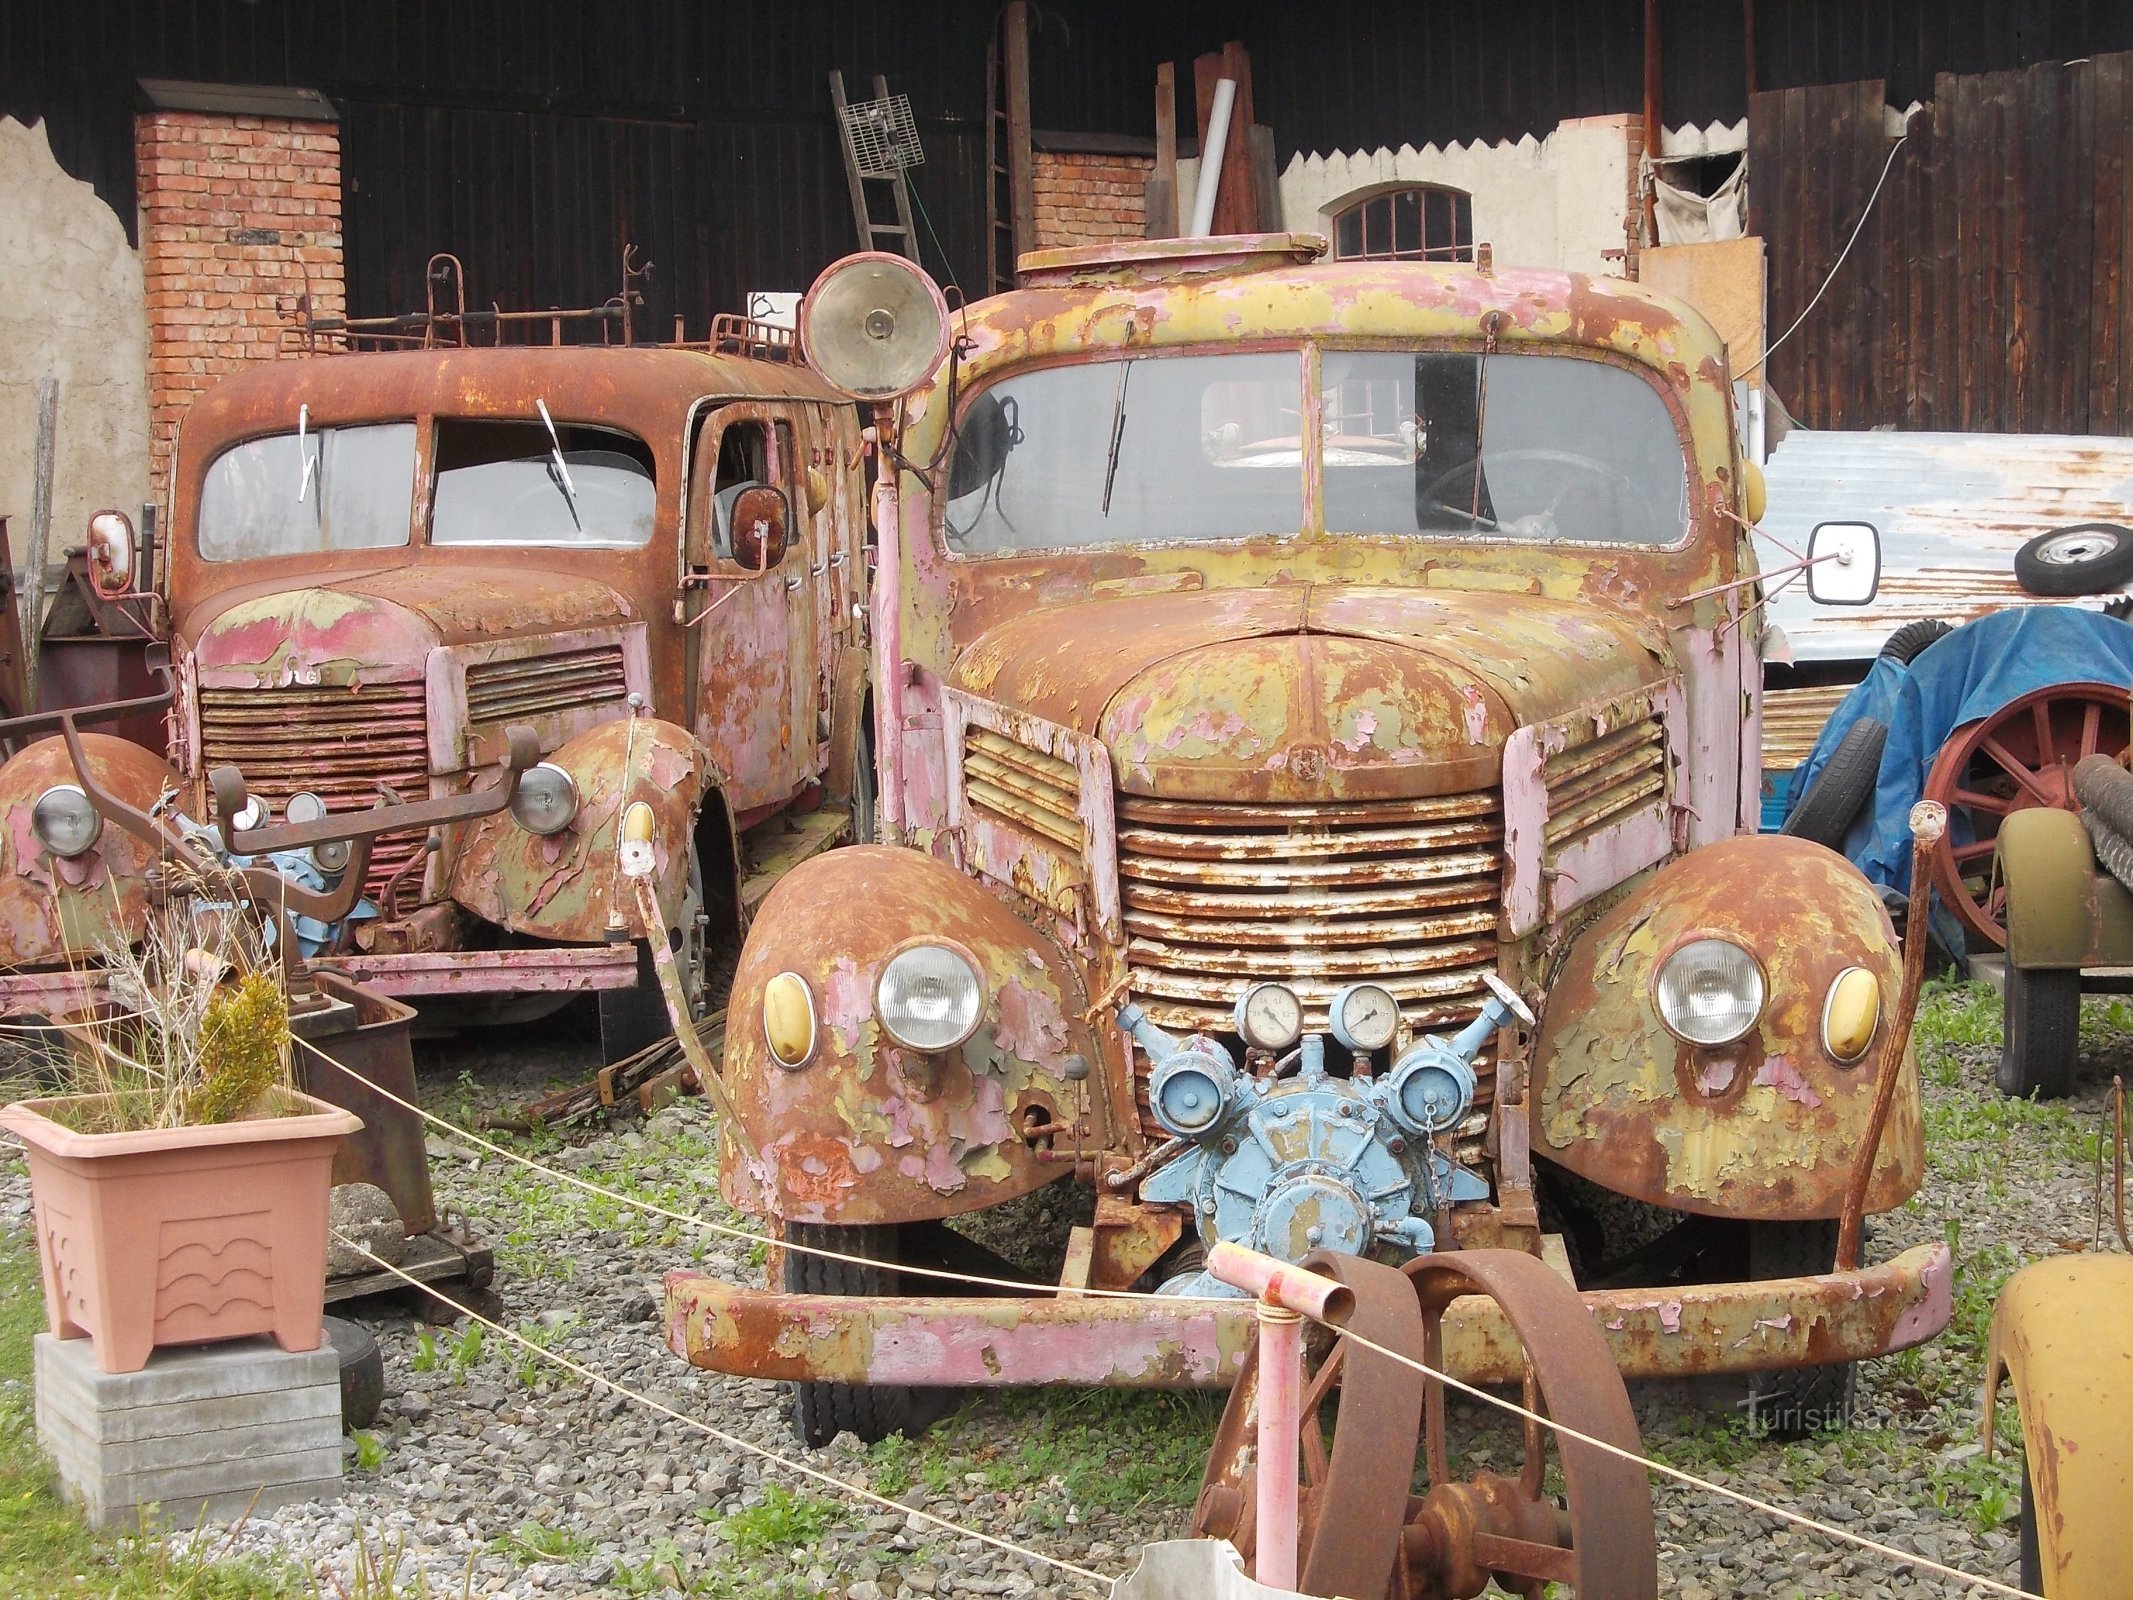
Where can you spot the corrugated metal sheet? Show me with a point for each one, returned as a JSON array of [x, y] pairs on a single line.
[[1952, 509]]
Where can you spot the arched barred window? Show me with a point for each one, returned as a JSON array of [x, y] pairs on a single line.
[[1422, 222]]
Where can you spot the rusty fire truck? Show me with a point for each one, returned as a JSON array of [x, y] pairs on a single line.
[[1317, 712]]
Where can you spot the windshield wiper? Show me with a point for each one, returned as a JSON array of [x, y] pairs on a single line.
[[562, 467], [1118, 432]]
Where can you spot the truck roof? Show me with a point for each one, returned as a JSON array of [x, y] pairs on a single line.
[[641, 388]]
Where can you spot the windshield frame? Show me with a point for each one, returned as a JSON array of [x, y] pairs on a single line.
[[1313, 531]]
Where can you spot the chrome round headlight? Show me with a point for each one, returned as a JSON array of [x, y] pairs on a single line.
[[64, 821], [929, 997], [546, 801], [1710, 991]]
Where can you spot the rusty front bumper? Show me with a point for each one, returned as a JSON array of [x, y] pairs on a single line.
[[1152, 1342]]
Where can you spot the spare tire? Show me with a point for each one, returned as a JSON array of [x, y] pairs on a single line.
[[1904, 645], [2085, 558], [1824, 813]]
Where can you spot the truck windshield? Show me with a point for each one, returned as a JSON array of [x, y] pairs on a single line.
[[326, 489], [1128, 452], [1539, 447], [1546, 448], [502, 483]]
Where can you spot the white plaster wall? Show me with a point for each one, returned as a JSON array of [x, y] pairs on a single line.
[[71, 308], [1553, 202]]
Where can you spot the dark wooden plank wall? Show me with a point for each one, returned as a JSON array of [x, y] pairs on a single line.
[[1986, 290]]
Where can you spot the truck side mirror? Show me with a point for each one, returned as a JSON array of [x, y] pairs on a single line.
[[1844, 564], [760, 518]]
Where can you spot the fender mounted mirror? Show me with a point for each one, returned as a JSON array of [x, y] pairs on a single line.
[[110, 551], [1843, 564], [760, 519]]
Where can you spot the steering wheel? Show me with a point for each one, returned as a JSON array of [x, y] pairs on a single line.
[[1535, 524]]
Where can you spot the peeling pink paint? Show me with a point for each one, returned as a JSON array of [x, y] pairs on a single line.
[[1780, 1074], [848, 1005], [1931, 1311], [1715, 1076], [1670, 1316], [1031, 1026]]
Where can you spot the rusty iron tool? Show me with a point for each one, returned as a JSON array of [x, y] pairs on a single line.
[[1929, 821], [227, 785]]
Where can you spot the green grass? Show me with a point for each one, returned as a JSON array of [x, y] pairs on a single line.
[[782, 1521], [46, 1550], [1114, 1450], [536, 1541]]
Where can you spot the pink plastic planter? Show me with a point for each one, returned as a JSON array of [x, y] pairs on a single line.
[[182, 1235]]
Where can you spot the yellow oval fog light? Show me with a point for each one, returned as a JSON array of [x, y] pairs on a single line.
[[1851, 1014], [640, 830], [789, 1020]]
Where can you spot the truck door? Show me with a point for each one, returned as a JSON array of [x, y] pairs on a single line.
[[750, 628]]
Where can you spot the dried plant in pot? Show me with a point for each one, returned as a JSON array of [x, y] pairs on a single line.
[[180, 1189]]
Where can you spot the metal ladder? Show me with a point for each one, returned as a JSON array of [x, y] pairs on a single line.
[[863, 168]]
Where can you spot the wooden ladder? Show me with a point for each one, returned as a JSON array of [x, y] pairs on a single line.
[[1009, 203], [902, 236]]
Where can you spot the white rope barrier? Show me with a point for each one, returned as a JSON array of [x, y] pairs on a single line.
[[734, 1441]]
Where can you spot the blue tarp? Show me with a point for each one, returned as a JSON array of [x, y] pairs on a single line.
[[1968, 674]]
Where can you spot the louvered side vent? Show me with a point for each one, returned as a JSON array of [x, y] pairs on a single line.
[[502, 692], [1021, 786], [1596, 784], [344, 745]]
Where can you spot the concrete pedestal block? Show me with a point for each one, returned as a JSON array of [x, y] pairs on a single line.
[[200, 1431]]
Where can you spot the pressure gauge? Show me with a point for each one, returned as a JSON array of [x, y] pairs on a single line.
[[1269, 1016], [1364, 1016]]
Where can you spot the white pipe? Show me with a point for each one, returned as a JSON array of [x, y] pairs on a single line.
[[1203, 196]]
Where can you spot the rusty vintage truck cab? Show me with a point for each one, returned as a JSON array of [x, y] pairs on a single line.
[[1268, 649], [379, 562]]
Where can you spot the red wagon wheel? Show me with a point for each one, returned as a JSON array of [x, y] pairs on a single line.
[[2020, 757], [1361, 1533]]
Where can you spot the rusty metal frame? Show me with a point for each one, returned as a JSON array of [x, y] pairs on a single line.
[[1154, 1341]]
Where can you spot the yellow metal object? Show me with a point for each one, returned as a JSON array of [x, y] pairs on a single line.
[[2063, 1331], [1851, 1014], [1754, 493], [789, 1019]]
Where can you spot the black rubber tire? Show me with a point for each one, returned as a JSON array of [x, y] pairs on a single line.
[[865, 814], [2108, 567], [362, 1372], [1903, 646], [2041, 1038], [2032, 1557], [1802, 1400], [632, 1019], [869, 1412], [1824, 813]]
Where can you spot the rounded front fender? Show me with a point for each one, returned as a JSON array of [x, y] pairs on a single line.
[[1766, 1127], [865, 1131], [2063, 1331], [55, 911], [567, 886]]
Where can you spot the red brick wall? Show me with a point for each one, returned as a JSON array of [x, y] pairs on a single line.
[[236, 214], [1087, 199]]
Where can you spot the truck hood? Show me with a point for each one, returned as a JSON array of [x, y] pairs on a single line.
[[1309, 692], [372, 627]]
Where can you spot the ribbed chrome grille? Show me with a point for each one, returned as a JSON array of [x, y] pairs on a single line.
[[501, 692], [1398, 892], [1604, 780], [343, 745]]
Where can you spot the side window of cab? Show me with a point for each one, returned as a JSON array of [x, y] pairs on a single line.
[[751, 455]]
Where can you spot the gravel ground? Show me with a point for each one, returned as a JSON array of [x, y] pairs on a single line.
[[492, 1472]]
